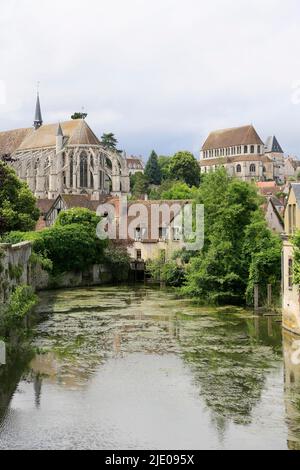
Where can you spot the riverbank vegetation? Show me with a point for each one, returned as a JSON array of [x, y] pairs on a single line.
[[14, 314], [18, 209], [67, 246], [239, 251], [72, 245]]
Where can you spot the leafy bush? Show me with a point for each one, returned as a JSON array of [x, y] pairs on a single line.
[[77, 216], [18, 209], [118, 259], [20, 304], [169, 272], [70, 248]]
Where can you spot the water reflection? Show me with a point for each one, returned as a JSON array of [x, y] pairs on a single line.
[[216, 376], [292, 388]]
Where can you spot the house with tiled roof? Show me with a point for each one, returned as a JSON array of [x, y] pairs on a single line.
[[135, 165], [64, 158]]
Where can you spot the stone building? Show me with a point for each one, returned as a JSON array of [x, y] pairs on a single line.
[[243, 153], [291, 167], [135, 165], [64, 158], [290, 291]]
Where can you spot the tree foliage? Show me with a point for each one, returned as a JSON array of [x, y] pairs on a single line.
[[18, 209], [152, 171], [118, 260], [179, 191], [164, 165], [239, 250], [110, 142], [171, 273], [76, 116], [77, 216], [139, 185], [184, 167], [73, 247]]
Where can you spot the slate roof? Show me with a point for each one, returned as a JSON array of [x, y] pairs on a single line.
[[236, 136], [272, 145]]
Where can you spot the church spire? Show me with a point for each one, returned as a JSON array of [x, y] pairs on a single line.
[[38, 120]]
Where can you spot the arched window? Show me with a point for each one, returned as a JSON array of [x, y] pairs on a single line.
[[83, 171], [252, 149], [252, 168], [245, 148], [238, 169]]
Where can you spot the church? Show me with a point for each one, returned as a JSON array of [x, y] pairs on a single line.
[[64, 158], [243, 153]]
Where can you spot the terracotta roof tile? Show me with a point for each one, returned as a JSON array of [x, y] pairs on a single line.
[[11, 140], [225, 138], [77, 131]]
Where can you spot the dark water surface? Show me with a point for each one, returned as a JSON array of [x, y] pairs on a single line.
[[126, 368]]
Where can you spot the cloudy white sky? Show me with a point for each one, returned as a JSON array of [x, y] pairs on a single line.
[[158, 73]]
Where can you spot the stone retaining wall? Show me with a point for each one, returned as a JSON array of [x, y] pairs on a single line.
[[14, 268]]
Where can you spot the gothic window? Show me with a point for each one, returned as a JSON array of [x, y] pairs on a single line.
[[252, 168], [239, 169], [83, 171]]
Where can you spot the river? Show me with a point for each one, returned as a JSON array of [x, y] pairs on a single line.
[[136, 368]]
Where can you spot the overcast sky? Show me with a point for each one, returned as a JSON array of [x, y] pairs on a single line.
[[158, 73]]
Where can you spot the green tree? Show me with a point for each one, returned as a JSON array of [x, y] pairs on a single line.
[[110, 142], [184, 167], [152, 170], [18, 209], [79, 116], [179, 191], [164, 165], [239, 248], [139, 185], [156, 192]]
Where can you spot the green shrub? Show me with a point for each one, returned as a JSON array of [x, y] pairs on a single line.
[[70, 248], [118, 260], [77, 216], [20, 304]]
